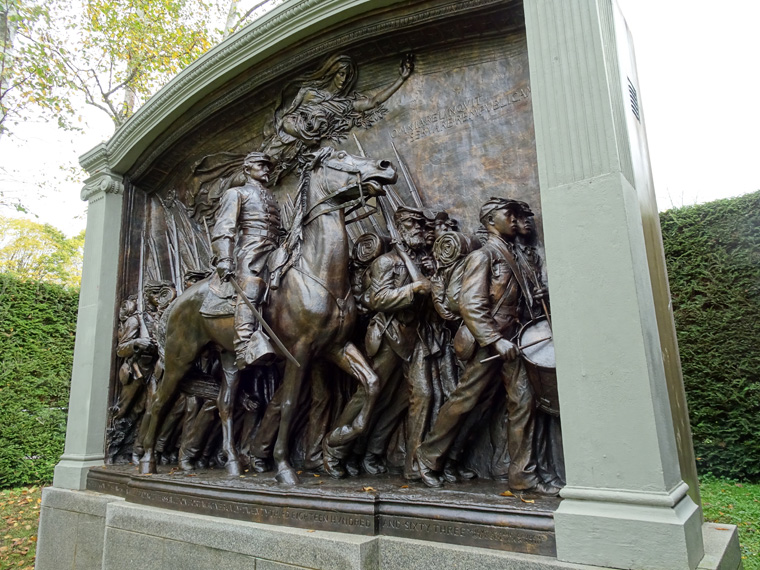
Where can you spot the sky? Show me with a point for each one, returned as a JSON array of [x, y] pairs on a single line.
[[699, 89]]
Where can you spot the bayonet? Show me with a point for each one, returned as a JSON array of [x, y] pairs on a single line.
[[409, 182]]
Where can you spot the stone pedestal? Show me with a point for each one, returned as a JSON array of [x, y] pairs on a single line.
[[83, 530]]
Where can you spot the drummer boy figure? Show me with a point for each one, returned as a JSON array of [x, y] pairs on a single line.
[[494, 293]]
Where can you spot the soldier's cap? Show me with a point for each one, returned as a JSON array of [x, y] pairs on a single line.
[[525, 208], [442, 216], [494, 204], [406, 213], [256, 156]]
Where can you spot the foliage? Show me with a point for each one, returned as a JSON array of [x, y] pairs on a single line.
[[20, 512], [40, 252], [110, 53], [713, 256], [730, 502], [31, 82], [37, 324]]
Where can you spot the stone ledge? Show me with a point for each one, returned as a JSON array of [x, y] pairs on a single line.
[[722, 550], [237, 543], [83, 502]]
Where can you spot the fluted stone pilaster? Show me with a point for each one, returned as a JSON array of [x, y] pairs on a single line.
[[626, 504]]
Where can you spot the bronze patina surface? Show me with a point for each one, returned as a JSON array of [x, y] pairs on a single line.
[[332, 270], [474, 514]]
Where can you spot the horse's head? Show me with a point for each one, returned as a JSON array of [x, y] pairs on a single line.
[[347, 177]]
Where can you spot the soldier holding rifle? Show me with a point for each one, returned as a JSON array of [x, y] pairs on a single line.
[[397, 290], [494, 293]]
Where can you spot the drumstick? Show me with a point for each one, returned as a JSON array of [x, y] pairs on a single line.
[[546, 312], [495, 356]]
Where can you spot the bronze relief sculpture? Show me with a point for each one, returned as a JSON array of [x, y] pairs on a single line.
[[308, 269], [312, 311]]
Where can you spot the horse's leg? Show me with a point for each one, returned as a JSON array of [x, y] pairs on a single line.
[[290, 392], [226, 405], [351, 360], [178, 359]]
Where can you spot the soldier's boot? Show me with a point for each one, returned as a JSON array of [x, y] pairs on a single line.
[[252, 346]]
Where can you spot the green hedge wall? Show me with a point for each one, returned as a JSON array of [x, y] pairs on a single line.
[[713, 257], [37, 323]]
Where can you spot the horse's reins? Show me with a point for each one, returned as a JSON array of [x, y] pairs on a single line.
[[341, 303], [311, 215]]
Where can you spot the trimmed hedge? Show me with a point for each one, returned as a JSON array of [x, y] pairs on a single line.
[[713, 257], [37, 324]]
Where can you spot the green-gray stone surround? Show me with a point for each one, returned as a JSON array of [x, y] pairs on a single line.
[[92, 531], [631, 499]]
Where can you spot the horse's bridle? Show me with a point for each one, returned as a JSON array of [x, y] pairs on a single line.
[[311, 214]]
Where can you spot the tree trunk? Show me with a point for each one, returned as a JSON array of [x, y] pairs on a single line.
[[7, 35], [232, 19]]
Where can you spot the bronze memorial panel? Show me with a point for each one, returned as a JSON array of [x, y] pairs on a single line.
[[333, 307]]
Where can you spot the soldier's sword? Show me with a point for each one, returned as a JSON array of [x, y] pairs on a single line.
[[264, 324]]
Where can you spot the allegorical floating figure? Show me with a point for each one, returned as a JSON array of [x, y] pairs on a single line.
[[325, 108]]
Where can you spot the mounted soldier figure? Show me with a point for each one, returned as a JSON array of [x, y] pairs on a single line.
[[246, 231]]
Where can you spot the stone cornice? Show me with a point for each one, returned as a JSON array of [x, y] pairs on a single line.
[[282, 27]]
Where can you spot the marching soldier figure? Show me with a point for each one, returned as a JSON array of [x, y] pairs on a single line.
[[493, 294], [246, 231]]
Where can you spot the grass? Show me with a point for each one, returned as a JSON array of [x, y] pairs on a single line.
[[732, 502], [20, 510], [723, 501]]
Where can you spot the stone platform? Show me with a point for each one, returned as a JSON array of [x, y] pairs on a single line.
[[85, 530], [472, 513]]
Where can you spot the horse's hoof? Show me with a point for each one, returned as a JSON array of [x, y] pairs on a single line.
[[148, 467], [233, 469], [287, 477]]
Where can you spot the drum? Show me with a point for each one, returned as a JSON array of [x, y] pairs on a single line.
[[540, 363]]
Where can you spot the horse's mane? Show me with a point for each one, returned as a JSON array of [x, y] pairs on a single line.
[[294, 239]]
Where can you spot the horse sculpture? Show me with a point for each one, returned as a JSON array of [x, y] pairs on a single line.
[[312, 312]]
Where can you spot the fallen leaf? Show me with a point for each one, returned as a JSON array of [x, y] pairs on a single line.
[[721, 528], [310, 531], [404, 486], [507, 494], [527, 500], [368, 489]]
